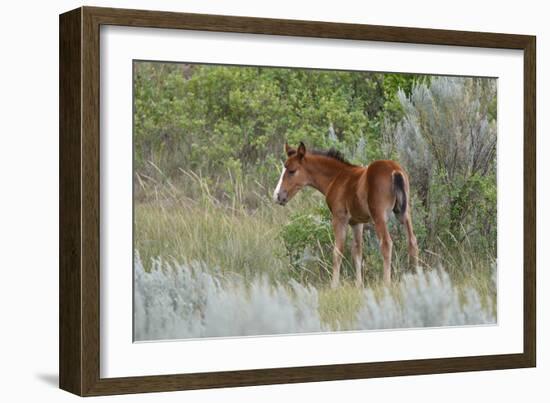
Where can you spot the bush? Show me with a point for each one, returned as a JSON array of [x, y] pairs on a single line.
[[308, 239], [187, 301], [213, 118], [447, 142]]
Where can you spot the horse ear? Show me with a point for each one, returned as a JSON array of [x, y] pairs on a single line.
[[301, 150], [289, 151]]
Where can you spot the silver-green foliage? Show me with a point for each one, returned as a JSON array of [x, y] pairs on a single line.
[[449, 124], [447, 142], [184, 301], [428, 300], [174, 301]]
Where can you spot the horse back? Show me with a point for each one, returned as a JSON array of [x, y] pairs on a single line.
[[362, 193]]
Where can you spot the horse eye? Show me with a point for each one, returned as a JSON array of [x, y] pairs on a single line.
[[291, 172]]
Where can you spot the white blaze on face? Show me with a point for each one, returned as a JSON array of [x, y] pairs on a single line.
[[278, 188]]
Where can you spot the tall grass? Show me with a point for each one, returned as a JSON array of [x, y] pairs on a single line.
[[236, 231], [228, 237]]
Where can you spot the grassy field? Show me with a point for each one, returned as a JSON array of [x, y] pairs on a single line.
[[236, 236]]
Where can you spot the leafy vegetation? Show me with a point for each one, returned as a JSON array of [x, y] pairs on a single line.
[[215, 119]]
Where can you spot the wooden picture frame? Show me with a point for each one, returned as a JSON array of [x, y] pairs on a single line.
[[79, 281]]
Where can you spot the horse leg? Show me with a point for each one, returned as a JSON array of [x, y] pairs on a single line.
[[413, 246], [339, 227], [357, 252], [385, 246]]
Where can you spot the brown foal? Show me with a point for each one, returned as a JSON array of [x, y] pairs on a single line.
[[354, 195]]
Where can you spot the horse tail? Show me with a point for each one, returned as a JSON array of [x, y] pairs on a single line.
[[399, 189]]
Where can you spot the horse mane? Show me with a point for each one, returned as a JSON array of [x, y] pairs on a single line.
[[332, 153]]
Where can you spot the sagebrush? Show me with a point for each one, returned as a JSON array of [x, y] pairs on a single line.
[[177, 301]]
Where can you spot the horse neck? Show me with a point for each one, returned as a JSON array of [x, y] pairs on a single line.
[[323, 170]]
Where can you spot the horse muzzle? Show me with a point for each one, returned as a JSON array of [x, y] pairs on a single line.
[[281, 198]]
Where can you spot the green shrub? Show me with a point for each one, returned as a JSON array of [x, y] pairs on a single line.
[[308, 240]]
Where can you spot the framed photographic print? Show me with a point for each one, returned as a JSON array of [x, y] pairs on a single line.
[[249, 201]]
